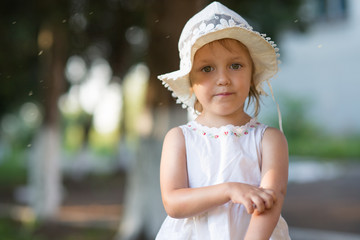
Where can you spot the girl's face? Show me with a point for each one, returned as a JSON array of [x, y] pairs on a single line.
[[221, 77]]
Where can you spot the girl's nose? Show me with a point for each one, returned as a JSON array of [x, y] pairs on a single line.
[[222, 79]]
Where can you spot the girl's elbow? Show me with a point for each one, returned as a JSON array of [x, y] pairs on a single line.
[[172, 209], [173, 212]]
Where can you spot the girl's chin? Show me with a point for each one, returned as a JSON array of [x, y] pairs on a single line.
[[226, 112]]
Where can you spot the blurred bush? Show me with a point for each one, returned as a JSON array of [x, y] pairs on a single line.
[[305, 138]]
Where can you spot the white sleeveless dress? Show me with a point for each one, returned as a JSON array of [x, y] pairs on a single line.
[[216, 155]]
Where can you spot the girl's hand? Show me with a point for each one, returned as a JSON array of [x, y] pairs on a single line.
[[253, 198]]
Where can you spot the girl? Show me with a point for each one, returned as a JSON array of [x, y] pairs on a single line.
[[223, 175]]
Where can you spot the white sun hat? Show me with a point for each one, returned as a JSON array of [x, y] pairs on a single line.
[[212, 23]]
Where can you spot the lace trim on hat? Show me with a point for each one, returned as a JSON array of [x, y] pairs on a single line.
[[183, 101]]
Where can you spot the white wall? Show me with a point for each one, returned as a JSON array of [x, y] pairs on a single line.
[[323, 66]]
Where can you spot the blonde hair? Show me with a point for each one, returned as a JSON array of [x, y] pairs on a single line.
[[254, 94]]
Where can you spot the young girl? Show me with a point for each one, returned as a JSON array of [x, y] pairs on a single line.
[[223, 175]]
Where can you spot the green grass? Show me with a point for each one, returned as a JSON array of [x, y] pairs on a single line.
[[326, 147]]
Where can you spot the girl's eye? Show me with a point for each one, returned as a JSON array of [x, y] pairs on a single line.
[[207, 69], [235, 66]]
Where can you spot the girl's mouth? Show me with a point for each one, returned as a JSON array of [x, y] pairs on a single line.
[[223, 94]]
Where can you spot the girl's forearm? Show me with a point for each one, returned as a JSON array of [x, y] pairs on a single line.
[[188, 202], [262, 225]]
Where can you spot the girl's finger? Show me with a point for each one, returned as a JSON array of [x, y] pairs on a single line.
[[271, 192], [268, 200], [249, 207], [259, 204]]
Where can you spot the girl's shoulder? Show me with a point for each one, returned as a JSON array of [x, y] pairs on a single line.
[[175, 135], [273, 137], [174, 143]]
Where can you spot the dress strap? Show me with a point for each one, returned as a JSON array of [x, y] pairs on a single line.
[[277, 106]]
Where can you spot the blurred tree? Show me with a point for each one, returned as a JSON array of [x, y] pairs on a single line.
[[44, 169], [143, 212], [33, 56], [44, 166]]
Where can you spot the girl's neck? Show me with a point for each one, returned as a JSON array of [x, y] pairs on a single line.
[[210, 120]]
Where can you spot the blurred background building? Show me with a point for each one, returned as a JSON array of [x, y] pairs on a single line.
[[320, 68]]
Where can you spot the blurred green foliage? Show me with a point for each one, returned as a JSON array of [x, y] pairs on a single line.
[[14, 230], [327, 147], [306, 138], [13, 170]]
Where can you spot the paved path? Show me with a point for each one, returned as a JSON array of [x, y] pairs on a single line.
[[316, 207], [312, 234], [329, 205]]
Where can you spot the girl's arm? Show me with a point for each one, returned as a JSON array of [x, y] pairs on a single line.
[[180, 201], [275, 163]]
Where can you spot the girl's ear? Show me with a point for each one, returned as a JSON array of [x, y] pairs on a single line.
[[198, 106]]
